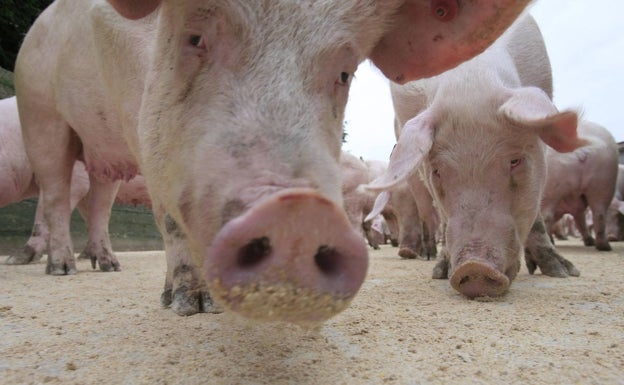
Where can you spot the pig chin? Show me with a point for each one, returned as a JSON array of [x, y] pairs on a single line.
[[479, 270], [285, 254]]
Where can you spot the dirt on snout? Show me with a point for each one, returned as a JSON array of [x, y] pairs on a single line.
[[402, 328]]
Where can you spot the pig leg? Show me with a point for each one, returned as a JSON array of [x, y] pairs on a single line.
[[52, 153], [410, 233], [599, 204], [100, 202], [369, 234], [540, 252], [185, 288], [581, 225], [427, 215], [36, 245], [441, 269], [393, 227]]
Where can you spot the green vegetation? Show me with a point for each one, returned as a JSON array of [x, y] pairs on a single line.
[[131, 228], [16, 17]]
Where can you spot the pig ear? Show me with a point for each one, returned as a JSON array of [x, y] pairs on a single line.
[[413, 145], [530, 107], [134, 9], [380, 202], [429, 37]]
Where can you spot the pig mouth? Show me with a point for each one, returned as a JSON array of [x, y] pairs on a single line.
[[291, 257]]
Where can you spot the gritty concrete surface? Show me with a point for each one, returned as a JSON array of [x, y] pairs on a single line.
[[402, 328]]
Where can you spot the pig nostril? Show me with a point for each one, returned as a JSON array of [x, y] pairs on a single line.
[[254, 252], [326, 258], [464, 280]]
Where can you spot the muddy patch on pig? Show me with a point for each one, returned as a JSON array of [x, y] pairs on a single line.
[[401, 328]]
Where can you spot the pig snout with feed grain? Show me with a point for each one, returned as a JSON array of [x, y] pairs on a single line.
[[476, 135], [190, 91]]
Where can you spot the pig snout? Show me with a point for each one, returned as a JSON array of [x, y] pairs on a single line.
[[482, 273], [291, 257]]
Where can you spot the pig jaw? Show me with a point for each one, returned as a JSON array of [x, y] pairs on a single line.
[[291, 257]]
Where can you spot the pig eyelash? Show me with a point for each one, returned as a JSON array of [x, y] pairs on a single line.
[[515, 163]]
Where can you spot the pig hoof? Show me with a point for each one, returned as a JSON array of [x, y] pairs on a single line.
[[407, 253], [394, 243], [188, 302], [24, 257], [474, 279], [107, 266], [166, 298], [550, 263], [603, 247], [440, 271], [62, 269], [589, 241], [431, 253]]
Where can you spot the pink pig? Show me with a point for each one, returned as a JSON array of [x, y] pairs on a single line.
[[190, 91], [18, 183], [581, 179], [476, 137]]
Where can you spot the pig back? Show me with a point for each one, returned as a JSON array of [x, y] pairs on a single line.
[[525, 44]]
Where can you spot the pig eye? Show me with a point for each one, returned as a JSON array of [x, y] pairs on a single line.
[[515, 163], [197, 41], [436, 173], [344, 78]]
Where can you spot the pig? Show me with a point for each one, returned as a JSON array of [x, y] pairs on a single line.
[[232, 111], [376, 231], [580, 179], [358, 202], [476, 136], [354, 173], [416, 218], [615, 212], [19, 183], [389, 214], [563, 228]]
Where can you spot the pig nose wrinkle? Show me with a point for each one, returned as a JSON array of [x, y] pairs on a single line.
[[254, 252]]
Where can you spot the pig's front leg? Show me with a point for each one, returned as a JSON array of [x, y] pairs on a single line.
[[540, 252], [185, 288]]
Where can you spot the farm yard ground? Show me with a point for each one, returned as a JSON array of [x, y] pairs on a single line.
[[402, 328]]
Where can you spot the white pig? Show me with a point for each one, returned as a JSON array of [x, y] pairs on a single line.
[[233, 111], [581, 179], [18, 182], [476, 135]]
